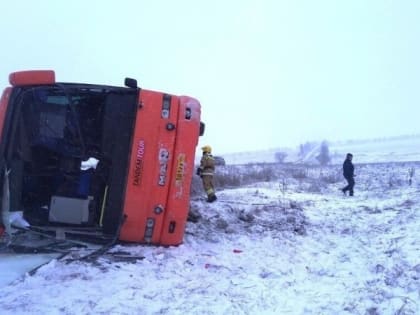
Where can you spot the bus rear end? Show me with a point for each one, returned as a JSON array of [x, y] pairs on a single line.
[[97, 161]]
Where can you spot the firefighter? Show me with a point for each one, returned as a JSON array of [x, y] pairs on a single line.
[[206, 172]]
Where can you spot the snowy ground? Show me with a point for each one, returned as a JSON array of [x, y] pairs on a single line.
[[397, 149], [291, 246]]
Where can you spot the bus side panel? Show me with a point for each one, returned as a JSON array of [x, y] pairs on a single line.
[[149, 172], [188, 129]]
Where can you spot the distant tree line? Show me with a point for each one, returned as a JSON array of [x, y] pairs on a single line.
[[279, 157], [309, 148], [324, 154]]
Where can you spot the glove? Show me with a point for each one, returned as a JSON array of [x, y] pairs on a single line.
[[198, 172]]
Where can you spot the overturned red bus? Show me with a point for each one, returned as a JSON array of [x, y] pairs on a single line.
[[96, 160]]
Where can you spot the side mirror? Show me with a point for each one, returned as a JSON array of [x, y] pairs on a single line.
[[131, 83], [202, 128]]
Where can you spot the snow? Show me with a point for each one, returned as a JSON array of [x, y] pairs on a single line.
[[14, 265], [395, 149], [279, 247]]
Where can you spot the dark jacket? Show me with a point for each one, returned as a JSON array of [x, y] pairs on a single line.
[[348, 169]]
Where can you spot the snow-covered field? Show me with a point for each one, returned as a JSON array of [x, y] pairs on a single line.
[[294, 245], [396, 149]]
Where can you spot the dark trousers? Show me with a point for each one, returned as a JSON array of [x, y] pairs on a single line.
[[350, 185]]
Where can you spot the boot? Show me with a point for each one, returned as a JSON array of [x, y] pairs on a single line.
[[211, 198]]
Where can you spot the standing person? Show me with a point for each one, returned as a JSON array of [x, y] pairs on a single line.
[[206, 172], [348, 173]]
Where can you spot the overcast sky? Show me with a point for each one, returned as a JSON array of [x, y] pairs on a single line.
[[267, 73]]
